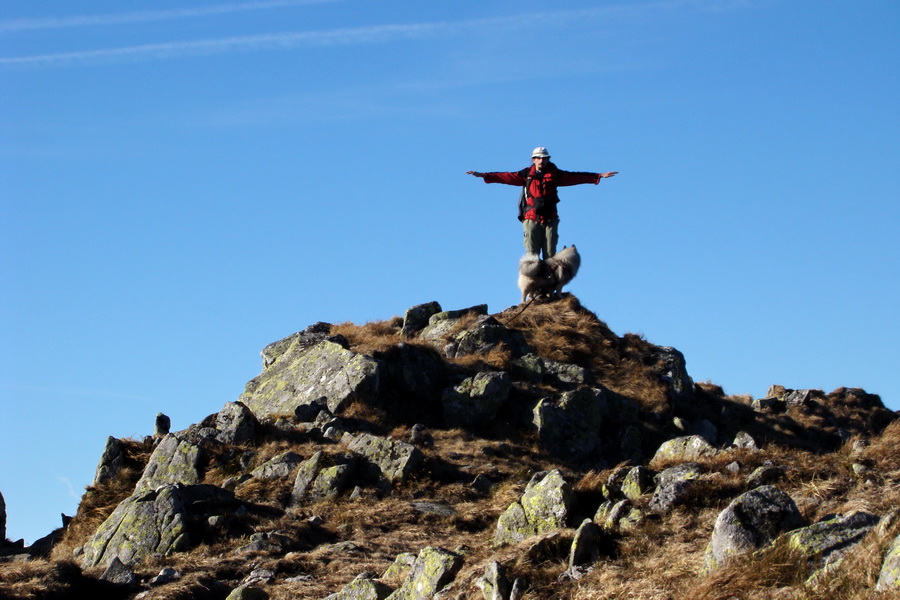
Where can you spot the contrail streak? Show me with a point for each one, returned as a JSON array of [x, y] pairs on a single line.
[[11, 25]]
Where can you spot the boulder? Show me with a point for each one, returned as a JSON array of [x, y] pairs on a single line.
[[751, 521], [673, 372], [392, 460], [672, 486], [565, 375], [173, 461], [162, 425], [827, 541], [745, 440], [2, 521], [442, 323], [306, 474], [278, 467], [618, 516], [636, 483], [474, 403], [416, 318], [684, 448], [116, 572], [299, 341], [569, 427], [415, 370], [889, 577], [400, 568], [155, 522], [494, 584], [543, 508], [586, 545], [236, 424], [247, 592], [364, 587], [484, 335], [302, 375], [111, 461], [434, 568]]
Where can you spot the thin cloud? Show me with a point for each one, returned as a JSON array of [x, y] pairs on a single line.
[[341, 37], [12, 25]]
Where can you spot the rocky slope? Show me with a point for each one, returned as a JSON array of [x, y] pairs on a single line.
[[457, 454]]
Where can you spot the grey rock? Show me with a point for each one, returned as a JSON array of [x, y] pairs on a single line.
[[162, 425], [768, 405], [362, 588], [705, 429], [618, 516], [494, 584], [116, 572], [419, 436], [484, 335], [415, 370], [306, 475], [112, 461], [474, 403], [830, 539], [305, 374], [416, 318], [745, 440], [247, 592], [332, 481], [166, 575], [586, 544], [751, 521], [173, 461], [765, 474], [259, 576], [2, 520], [155, 522], [299, 341], [401, 566], [267, 541], [569, 426], [543, 508], [236, 424], [685, 448], [672, 486], [277, 467], [391, 459], [889, 576], [529, 367], [679, 385], [636, 482], [565, 375], [434, 568]]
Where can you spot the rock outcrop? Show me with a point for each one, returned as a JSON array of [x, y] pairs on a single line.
[[367, 449]]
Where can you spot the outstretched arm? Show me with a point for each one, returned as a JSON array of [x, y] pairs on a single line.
[[499, 177]]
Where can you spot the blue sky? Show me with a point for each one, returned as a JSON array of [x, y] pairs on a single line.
[[183, 183]]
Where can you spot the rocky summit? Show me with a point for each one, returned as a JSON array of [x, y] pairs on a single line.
[[527, 454]]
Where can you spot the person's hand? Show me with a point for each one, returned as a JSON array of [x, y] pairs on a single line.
[[608, 174], [475, 173]]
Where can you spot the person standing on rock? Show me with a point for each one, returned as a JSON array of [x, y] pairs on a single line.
[[537, 204]]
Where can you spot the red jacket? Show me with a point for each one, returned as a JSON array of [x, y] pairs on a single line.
[[542, 196]]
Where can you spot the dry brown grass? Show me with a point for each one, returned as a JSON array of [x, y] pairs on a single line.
[[99, 501], [567, 332], [376, 336]]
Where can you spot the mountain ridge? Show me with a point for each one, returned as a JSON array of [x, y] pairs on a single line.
[[548, 452]]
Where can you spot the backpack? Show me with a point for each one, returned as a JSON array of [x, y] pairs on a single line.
[[541, 205]]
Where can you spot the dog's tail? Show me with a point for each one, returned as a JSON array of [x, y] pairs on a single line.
[[531, 265]]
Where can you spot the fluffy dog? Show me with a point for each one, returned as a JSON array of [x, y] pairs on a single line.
[[547, 277]]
